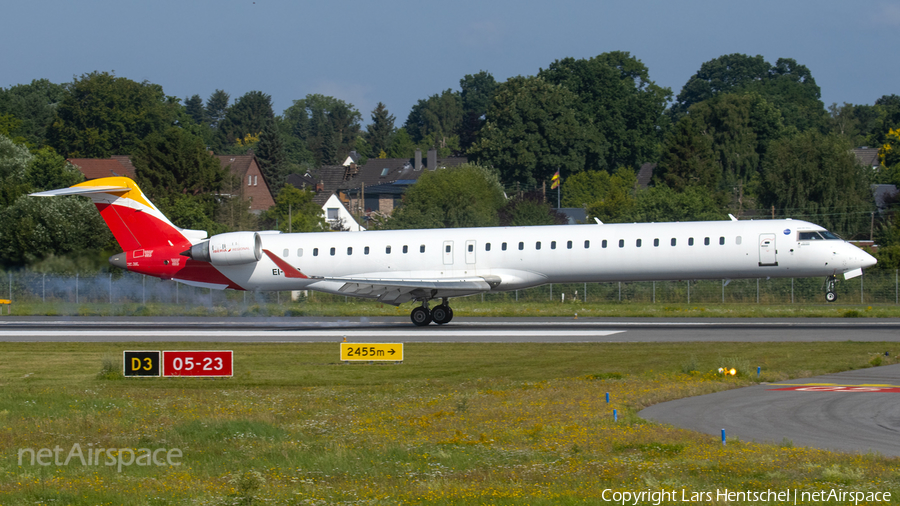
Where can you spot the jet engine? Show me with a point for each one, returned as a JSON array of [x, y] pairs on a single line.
[[234, 248]]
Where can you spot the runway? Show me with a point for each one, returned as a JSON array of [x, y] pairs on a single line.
[[545, 330], [852, 411]]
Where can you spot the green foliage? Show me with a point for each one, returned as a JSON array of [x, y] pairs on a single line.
[[193, 107], [619, 105], [102, 115], [379, 131], [216, 106], [438, 117], [402, 145], [816, 177], [33, 106], [531, 131], [659, 204], [191, 211], [176, 162], [463, 196], [295, 211], [688, 157], [271, 155], [477, 93], [529, 209], [248, 115], [327, 125], [600, 189], [48, 171]]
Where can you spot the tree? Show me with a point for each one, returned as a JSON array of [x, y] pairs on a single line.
[[663, 204], [380, 130], [437, 118], [295, 211], [590, 187], [101, 115], [47, 170], [688, 157], [248, 115], [619, 105], [816, 177], [531, 131], [34, 107], [194, 108], [463, 196], [216, 106], [477, 93], [402, 145], [327, 125], [271, 155], [529, 209], [176, 162]]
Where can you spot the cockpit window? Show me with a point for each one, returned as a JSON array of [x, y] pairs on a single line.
[[818, 236]]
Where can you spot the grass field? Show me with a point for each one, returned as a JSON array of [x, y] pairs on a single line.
[[453, 424]]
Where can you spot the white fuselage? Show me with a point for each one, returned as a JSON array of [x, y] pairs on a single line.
[[522, 257]]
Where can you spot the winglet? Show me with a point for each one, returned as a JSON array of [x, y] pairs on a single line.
[[289, 270]]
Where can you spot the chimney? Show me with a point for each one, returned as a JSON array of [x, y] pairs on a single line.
[[432, 159], [418, 165]]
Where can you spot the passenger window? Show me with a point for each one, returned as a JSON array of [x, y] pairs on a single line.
[[366, 250], [690, 241], [603, 243], [637, 243], [656, 243], [487, 246], [447, 249], [349, 251], [521, 245], [405, 249], [422, 249], [286, 252], [569, 245], [552, 244], [387, 250], [706, 241], [299, 252], [315, 252], [471, 248], [721, 241], [537, 245], [332, 251], [503, 246], [621, 243], [737, 240], [673, 241], [587, 244]]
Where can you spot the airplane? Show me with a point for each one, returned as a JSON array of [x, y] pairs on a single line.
[[398, 266]]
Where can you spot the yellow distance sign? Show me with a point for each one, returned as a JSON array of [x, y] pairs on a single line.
[[367, 352]]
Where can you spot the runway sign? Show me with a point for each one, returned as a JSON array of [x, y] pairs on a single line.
[[839, 388], [140, 363], [197, 363], [367, 352]]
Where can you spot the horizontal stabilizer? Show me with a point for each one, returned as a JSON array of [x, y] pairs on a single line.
[[80, 190]]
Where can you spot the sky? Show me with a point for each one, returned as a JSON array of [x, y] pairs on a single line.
[[401, 51]]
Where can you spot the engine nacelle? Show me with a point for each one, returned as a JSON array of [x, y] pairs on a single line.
[[234, 248]]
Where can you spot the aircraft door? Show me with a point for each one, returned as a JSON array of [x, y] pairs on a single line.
[[447, 252], [767, 251], [470, 252]]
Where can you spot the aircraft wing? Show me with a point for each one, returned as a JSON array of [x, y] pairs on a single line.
[[397, 290]]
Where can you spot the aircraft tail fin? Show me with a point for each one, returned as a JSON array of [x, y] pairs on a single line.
[[134, 221]]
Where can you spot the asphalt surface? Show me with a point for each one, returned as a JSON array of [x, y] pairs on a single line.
[[546, 330], [852, 411]]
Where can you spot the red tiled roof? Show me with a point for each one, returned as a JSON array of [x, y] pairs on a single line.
[[95, 168]]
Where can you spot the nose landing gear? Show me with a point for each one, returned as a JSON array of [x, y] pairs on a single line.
[[440, 314], [830, 295]]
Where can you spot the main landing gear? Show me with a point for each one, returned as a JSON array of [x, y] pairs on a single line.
[[440, 314], [830, 295]]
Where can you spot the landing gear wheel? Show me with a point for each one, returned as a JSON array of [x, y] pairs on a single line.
[[420, 316], [830, 295], [441, 314]]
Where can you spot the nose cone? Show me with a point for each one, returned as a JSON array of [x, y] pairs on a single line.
[[867, 260]]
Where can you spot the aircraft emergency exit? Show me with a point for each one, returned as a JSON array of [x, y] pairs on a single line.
[[397, 266]]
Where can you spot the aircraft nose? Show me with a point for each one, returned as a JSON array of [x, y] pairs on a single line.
[[867, 260]]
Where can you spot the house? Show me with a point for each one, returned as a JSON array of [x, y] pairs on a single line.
[[867, 157], [246, 167], [338, 217]]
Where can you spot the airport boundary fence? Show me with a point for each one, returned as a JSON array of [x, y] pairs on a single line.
[[876, 287]]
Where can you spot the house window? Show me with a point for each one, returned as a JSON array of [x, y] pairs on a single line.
[[332, 214], [249, 180], [254, 180], [384, 172]]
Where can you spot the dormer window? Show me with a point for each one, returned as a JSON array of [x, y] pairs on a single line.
[[384, 172]]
